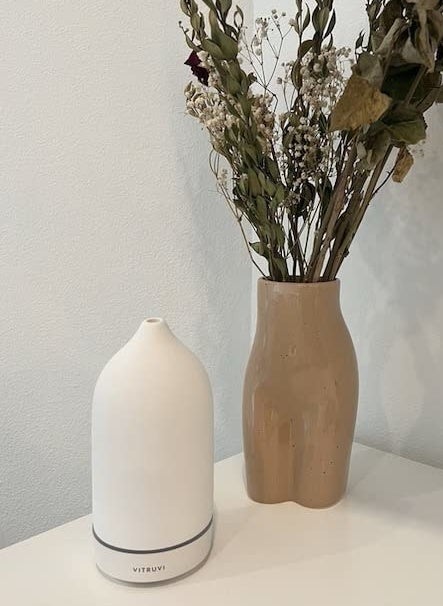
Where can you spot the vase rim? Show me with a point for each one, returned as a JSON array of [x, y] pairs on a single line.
[[326, 284]]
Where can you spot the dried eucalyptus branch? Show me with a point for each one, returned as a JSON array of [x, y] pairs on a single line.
[[305, 142]]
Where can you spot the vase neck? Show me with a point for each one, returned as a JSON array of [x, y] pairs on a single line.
[[278, 300]]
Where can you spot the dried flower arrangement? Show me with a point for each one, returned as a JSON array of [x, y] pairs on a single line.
[[300, 146]]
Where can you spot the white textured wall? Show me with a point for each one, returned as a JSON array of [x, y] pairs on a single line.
[[392, 293], [108, 214], [393, 301]]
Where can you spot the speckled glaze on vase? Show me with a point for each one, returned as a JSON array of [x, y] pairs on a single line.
[[300, 396]]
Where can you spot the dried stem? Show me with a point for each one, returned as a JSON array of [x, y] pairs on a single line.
[[326, 231], [304, 179]]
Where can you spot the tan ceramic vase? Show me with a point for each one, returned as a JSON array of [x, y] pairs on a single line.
[[300, 396]]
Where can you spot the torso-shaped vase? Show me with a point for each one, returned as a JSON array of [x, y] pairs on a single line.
[[300, 396], [152, 459]]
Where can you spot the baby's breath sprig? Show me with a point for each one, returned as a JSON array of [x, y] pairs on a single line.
[[300, 143]]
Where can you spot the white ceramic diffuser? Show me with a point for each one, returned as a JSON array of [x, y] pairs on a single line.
[[152, 459]]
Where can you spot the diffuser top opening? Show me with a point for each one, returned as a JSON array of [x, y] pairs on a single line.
[[154, 320]]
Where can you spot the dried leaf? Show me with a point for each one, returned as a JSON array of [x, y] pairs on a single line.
[[320, 18], [361, 150], [435, 23], [307, 19], [332, 24], [427, 5], [360, 40], [281, 266], [210, 5], [232, 86], [409, 132], [406, 124], [370, 68], [423, 43], [428, 91], [399, 79], [377, 146], [225, 6], [323, 18], [392, 11], [238, 18], [185, 8], [373, 9], [387, 44], [304, 48], [410, 54], [403, 165], [360, 104], [254, 183], [262, 209], [260, 249], [195, 22], [229, 46], [278, 235], [212, 48]]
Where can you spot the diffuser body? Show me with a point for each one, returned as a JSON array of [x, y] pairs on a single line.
[[152, 460]]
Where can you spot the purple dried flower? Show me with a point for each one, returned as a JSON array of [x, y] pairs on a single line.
[[197, 68]]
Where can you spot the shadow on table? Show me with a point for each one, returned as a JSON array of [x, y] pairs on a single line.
[[387, 495], [387, 485]]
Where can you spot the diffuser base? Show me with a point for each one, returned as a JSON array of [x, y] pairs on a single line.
[[153, 566]]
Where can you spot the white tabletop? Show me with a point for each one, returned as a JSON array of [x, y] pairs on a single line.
[[382, 546]]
